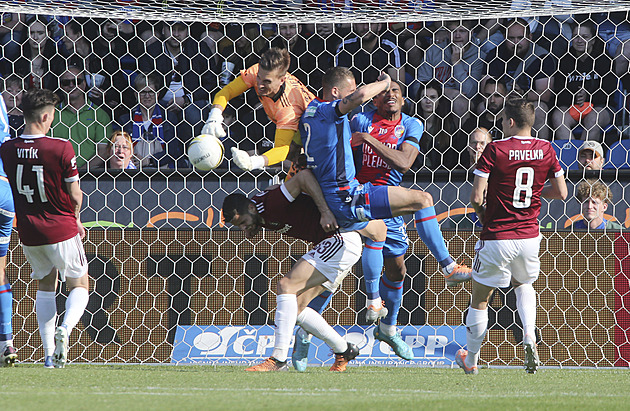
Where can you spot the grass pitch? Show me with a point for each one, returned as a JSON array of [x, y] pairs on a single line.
[[147, 387]]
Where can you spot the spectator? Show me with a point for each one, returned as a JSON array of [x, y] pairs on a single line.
[[439, 145], [152, 132], [370, 52], [595, 198], [584, 84], [83, 123], [11, 26], [457, 64], [120, 149], [495, 94], [477, 142], [80, 54], [591, 156], [12, 96], [302, 59], [39, 62], [323, 44], [526, 69], [189, 74]]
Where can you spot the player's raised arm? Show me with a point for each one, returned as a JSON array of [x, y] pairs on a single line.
[[305, 182], [214, 124], [363, 94]]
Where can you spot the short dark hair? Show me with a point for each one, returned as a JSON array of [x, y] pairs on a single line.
[[521, 111], [36, 100], [492, 81], [275, 59], [235, 203], [335, 77]]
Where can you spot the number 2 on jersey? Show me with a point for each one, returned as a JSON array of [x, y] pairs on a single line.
[[26, 190], [309, 159], [523, 185]]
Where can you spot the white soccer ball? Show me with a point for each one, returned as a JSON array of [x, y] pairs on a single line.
[[205, 152]]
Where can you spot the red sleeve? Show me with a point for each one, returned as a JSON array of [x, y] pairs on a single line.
[[69, 162], [487, 159]]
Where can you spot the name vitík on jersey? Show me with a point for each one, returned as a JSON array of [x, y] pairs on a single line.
[[27, 152], [526, 155]]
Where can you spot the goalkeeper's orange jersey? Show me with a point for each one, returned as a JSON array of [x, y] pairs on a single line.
[[287, 106]]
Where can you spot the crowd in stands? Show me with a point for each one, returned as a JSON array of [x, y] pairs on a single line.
[[155, 80]]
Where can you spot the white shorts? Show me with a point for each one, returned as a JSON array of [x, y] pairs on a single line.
[[335, 256], [68, 257], [498, 261]]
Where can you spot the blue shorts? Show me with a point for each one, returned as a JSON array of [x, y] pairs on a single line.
[[397, 241], [353, 208], [7, 213]]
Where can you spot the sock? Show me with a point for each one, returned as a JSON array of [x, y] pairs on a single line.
[[286, 314], [376, 302], [429, 232], [320, 302], [46, 309], [312, 322], [75, 307], [391, 293], [386, 329], [372, 263], [476, 327], [6, 313], [526, 305]]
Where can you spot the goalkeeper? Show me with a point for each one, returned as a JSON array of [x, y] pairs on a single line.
[[283, 97]]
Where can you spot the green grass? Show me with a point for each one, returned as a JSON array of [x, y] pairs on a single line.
[[143, 387]]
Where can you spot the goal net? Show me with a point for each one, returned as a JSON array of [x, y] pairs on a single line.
[[170, 282]]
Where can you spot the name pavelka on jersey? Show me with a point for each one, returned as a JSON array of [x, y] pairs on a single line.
[[518, 155]]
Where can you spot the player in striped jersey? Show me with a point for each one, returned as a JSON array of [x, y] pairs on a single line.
[[283, 97], [286, 210], [8, 354]]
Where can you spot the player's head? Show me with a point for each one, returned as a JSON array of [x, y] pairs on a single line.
[[338, 83], [494, 92], [240, 211], [591, 155], [595, 197], [477, 142], [272, 71], [518, 39], [38, 106], [120, 149], [518, 117], [390, 103]]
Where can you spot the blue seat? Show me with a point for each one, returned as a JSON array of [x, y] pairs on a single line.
[[618, 155], [567, 151]]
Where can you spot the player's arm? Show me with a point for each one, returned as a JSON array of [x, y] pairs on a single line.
[[363, 94], [478, 195], [399, 159], [76, 198], [305, 182], [214, 124], [557, 190]]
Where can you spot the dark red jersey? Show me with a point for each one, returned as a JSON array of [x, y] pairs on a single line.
[[517, 169], [38, 168], [298, 218]]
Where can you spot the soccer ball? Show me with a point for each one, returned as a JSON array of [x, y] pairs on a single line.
[[205, 152]]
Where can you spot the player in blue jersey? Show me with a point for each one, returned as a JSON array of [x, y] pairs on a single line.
[[8, 354], [326, 137]]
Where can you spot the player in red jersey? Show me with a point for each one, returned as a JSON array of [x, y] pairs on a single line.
[[286, 210], [510, 177], [44, 180]]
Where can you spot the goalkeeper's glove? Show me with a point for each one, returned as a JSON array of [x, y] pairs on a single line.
[[214, 124], [246, 162]]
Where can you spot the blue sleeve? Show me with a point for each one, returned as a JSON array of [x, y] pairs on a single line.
[[5, 132], [360, 123], [413, 131]]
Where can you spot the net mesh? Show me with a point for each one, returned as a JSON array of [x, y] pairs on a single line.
[[159, 254]]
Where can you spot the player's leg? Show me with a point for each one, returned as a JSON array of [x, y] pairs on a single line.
[[490, 271], [375, 234], [525, 271], [404, 201], [46, 311], [8, 354], [69, 258]]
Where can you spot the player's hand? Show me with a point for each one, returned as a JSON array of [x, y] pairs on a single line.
[[358, 139], [81, 229], [328, 222], [580, 97], [214, 124], [241, 159], [385, 77]]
